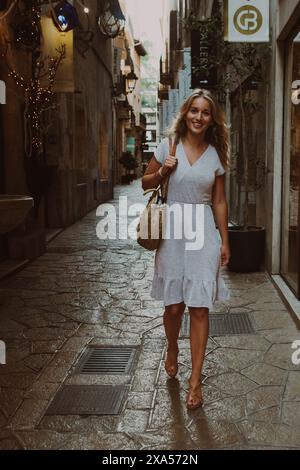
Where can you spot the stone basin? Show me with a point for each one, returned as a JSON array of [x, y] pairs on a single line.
[[13, 210]]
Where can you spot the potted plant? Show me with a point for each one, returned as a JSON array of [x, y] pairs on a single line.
[[129, 162], [247, 240], [245, 68], [237, 70]]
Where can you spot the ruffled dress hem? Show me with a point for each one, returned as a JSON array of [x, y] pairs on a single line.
[[193, 292]]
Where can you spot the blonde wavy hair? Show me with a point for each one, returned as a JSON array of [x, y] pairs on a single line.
[[217, 135]]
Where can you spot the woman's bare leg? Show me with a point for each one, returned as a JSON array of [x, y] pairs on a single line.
[[199, 329], [172, 323]]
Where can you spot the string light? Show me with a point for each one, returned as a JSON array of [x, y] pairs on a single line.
[[38, 90], [14, 3], [38, 98], [85, 8], [27, 28]]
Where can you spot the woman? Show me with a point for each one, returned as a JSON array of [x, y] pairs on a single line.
[[191, 277]]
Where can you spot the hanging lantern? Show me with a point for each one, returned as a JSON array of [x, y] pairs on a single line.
[[131, 79], [65, 16], [112, 20]]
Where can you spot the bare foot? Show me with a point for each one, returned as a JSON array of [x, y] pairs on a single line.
[[171, 364], [194, 397]]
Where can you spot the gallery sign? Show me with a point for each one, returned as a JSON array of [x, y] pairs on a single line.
[[247, 21], [203, 45]]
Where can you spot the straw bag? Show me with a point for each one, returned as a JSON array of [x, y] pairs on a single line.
[[152, 223]]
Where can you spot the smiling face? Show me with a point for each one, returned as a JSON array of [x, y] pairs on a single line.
[[199, 117]]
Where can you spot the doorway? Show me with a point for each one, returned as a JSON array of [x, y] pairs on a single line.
[[290, 239], [3, 240]]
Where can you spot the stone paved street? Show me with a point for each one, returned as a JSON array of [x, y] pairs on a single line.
[[86, 291]]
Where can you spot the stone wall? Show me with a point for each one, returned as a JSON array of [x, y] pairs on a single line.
[[80, 143], [76, 165]]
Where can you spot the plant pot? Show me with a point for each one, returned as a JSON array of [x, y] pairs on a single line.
[[247, 248]]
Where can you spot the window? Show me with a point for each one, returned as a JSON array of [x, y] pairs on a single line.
[[290, 261]]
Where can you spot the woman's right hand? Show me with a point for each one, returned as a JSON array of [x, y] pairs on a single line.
[[170, 163]]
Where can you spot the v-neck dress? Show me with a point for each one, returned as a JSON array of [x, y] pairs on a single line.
[[186, 275]]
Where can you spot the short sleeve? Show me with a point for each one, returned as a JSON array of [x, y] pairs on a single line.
[[220, 169], [162, 150]]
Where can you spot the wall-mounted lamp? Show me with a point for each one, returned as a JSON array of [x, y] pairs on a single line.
[[112, 21], [131, 79], [65, 16]]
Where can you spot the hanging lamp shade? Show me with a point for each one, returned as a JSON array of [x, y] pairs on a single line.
[[112, 21], [65, 16]]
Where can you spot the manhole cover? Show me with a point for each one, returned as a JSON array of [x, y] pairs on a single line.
[[88, 400], [106, 360], [221, 324]]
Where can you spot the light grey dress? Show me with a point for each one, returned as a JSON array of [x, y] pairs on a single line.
[[181, 274]]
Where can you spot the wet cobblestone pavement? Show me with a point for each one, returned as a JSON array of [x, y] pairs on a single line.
[[85, 291]]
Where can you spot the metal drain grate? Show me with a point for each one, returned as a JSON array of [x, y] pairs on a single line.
[[221, 324], [104, 360], [88, 400]]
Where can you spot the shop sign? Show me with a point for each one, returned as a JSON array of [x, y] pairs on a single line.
[[247, 21], [203, 71]]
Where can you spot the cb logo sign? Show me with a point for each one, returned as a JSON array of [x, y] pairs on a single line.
[[248, 20]]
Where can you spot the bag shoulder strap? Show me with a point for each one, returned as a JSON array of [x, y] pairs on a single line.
[[172, 146], [165, 182]]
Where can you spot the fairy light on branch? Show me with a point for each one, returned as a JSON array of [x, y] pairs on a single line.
[[38, 98], [27, 27]]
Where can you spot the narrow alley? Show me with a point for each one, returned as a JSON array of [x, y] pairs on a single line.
[[86, 292], [194, 107]]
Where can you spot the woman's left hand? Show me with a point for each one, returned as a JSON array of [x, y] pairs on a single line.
[[225, 254]]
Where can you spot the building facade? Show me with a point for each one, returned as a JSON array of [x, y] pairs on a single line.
[[131, 123], [72, 172], [91, 120], [283, 144], [175, 83]]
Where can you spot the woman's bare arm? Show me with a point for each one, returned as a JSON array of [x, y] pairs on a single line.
[[221, 213], [152, 178]]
